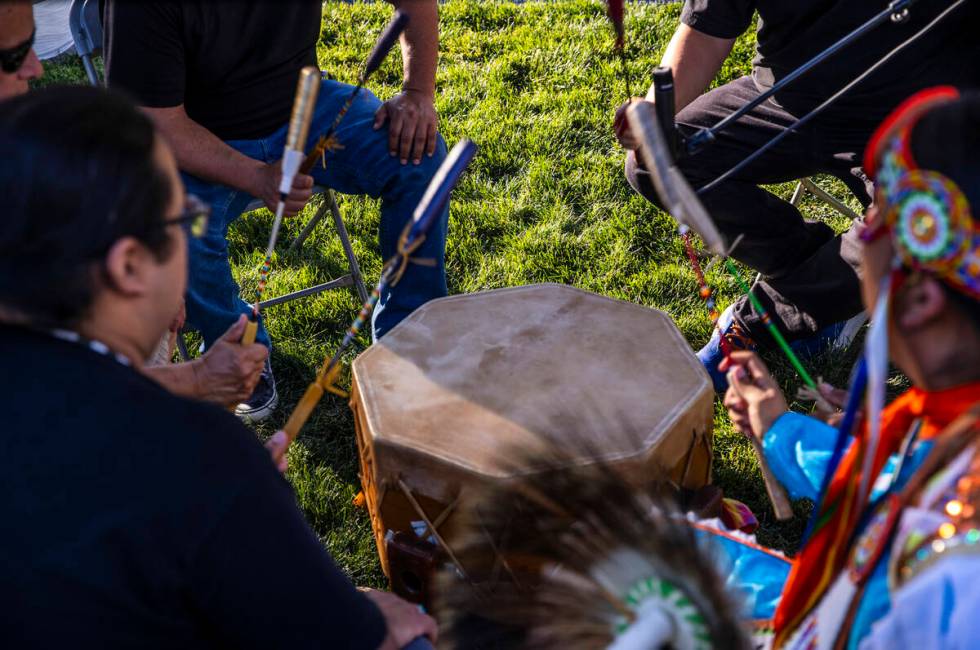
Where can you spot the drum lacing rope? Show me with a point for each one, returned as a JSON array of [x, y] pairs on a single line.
[[435, 532], [405, 249]]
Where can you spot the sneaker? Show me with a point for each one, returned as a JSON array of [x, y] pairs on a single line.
[[837, 336], [729, 335], [264, 398]]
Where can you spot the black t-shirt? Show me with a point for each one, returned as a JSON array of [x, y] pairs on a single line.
[[233, 65], [136, 519], [791, 32]]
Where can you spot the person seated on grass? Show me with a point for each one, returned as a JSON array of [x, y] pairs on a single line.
[[905, 487], [809, 282], [227, 373], [218, 79], [135, 517]]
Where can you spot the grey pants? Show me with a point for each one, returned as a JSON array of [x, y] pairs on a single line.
[[809, 275]]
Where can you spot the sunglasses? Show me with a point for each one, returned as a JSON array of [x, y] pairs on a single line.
[[11, 59], [193, 219]]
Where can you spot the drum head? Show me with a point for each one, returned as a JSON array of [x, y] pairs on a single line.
[[465, 378]]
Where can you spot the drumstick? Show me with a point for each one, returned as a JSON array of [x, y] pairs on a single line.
[[307, 88], [683, 204], [426, 213], [781, 505], [381, 48]]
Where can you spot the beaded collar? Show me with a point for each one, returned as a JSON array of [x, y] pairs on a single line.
[[92, 344]]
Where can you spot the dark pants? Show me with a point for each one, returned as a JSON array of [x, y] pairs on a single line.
[[809, 275]]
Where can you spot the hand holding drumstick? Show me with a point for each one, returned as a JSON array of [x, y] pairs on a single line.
[[754, 403]]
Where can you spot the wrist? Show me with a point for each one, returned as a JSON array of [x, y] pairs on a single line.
[[197, 382], [419, 92], [254, 179]]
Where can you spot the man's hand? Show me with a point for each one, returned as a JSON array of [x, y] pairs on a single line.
[[836, 399], [412, 125], [404, 620], [753, 399], [177, 323], [277, 446], [265, 186], [228, 371], [621, 126]]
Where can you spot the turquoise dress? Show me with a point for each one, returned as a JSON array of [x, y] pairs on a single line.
[[798, 449]]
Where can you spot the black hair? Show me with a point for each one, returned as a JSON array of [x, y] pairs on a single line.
[[947, 140], [76, 175]]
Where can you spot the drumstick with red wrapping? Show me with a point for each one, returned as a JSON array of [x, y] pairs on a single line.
[[381, 48], [426, 214], [616, 11]]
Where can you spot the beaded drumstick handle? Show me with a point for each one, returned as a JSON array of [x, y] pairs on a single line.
[[381, 48], [426, 213], [781, 505], [299, 126]]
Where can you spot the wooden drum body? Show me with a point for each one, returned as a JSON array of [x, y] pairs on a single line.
[[440, 400]]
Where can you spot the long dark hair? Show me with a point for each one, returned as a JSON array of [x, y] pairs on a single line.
[[76, 175]]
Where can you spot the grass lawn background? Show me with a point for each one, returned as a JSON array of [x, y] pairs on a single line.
[[545, 200]]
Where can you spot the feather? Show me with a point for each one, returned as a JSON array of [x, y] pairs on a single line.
[[617, 12], [543, 575]]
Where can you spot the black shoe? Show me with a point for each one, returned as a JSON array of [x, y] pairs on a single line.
[[264, 398]]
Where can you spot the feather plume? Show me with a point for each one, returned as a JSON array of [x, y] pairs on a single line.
[[572, 557], [617, 12]]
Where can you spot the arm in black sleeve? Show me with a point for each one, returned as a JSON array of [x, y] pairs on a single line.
[[144, 51], [262, 579], [718, 18]]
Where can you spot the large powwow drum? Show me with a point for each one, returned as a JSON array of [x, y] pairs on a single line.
[[440, 400]]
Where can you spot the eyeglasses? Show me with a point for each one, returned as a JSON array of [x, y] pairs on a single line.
[[11, 59], [193, 219]]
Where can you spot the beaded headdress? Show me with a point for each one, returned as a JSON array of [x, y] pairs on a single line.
[[926, 213]]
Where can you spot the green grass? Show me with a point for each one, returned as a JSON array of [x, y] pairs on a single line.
[[535, 85]]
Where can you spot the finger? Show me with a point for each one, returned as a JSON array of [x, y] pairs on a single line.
[[759, 372], [303, 182], [836, 396], [740, 383], [733, 401], [300, 194], [293, 207], [427, 627], [406, 140], [431, 138], [234, 333], [256, 353], [739, 357], [380, 116], [277, 446], [419, 142], [396, 122]]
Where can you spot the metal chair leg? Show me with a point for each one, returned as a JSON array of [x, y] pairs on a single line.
[[328, 204], [828, 198], [182, 347], [355, 269], [797, 194]]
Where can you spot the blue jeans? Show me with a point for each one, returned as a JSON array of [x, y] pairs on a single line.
[[363, 166]]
